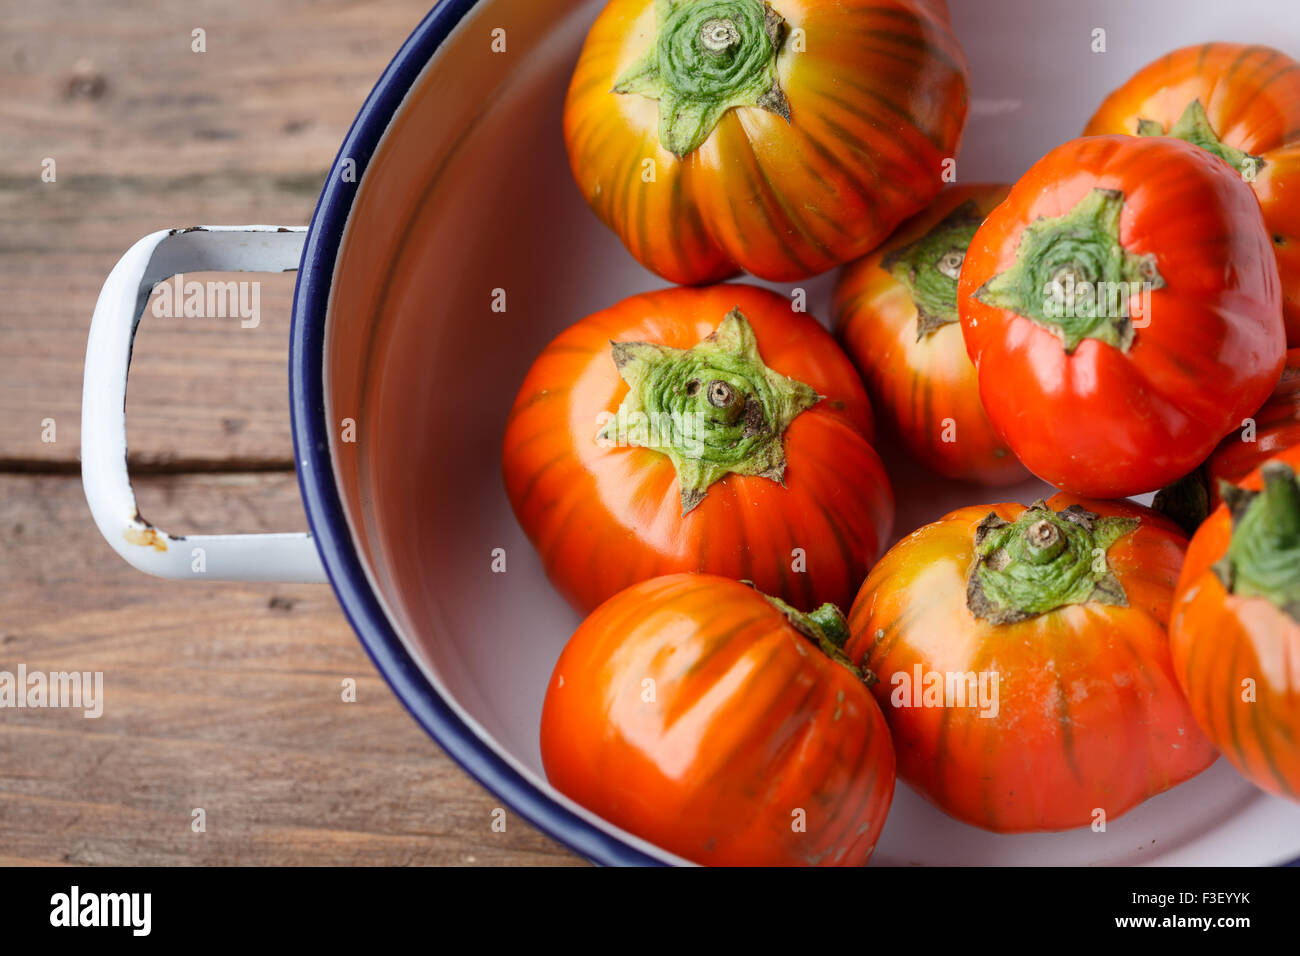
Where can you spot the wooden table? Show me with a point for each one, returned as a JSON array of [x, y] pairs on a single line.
[[225, 698]]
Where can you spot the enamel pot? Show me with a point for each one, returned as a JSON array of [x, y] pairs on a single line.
[[448, 247]]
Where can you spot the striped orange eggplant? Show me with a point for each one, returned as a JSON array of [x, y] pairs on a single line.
[[780, 138], [1241, 103], [896, 313], [1271, 430], [720, 725], [1023, 662], [711, 429], [1235, 628], [1123, 310]]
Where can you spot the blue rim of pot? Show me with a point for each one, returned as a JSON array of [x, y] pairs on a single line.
[[316, 477], [320, 496]]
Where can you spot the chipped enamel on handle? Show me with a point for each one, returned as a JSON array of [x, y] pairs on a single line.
[[122, 301]]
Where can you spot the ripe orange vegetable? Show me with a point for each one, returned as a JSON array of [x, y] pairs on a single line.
[[1235, 627], [1123, 312], [1241, 103], [897, 317], [720, 725], [710, 429], [1048, 623], [1272, 429], [781, 138]]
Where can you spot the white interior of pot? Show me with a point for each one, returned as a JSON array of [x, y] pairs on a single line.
[[473, 194]]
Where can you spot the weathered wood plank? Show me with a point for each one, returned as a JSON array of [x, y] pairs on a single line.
[[146, 134], [221, 697]]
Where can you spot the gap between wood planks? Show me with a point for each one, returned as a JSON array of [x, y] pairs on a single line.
[[221, 696]]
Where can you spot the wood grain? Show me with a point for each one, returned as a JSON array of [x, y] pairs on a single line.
[[146, 135], [221, 697]]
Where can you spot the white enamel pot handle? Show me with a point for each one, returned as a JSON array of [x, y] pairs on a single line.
[[122, 301]]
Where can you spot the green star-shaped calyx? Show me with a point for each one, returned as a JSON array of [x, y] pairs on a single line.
[[1194, 127], [930, 267], [1042, 561], [1072, 276], [714, 409], [1263, 556], [826, 627], [707, 57]]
